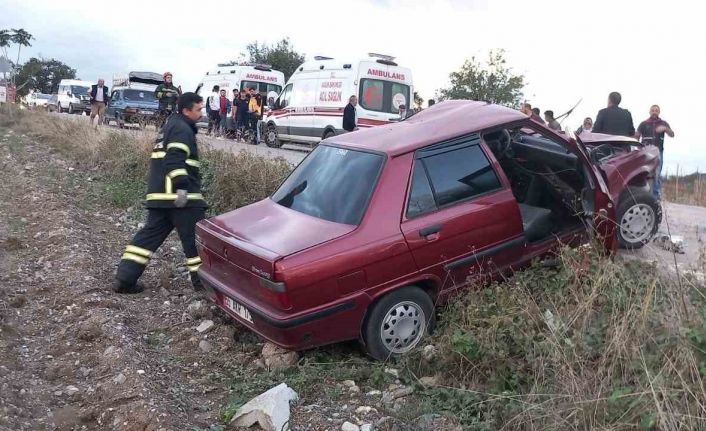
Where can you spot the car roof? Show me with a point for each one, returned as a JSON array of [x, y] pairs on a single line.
[[443, 121], [597, 138]]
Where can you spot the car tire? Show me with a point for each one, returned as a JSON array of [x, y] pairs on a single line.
[[71, 108], [271, 137], [639, 215], [58, 108], [397, 323]]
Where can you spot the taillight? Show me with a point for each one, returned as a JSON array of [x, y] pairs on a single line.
[[275, 293]]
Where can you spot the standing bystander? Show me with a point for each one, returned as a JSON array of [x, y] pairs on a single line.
[[350, 117], [614, 120], [99, 99], [652, 132]]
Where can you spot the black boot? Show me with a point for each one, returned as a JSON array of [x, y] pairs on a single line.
[[122, 287], [196, 282]]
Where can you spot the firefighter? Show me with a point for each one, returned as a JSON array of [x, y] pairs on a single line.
[[167, 95], [173, 200]]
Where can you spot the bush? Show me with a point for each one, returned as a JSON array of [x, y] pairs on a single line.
[[592, 344]]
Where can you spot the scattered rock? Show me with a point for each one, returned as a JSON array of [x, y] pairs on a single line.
[[364, 410], [140, 372], [197, 310], [374, 393], [71, 390], [673, 243], [347, 426], [366, 427], [120, 379], [429, 353], [348, 383], [277, 358], [205, 326], [270, 410], [90, 330], [390, 396], [392, 372], [205, 346], [429, 381]]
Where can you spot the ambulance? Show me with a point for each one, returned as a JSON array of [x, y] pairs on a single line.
[[241, 76], [310, 107]]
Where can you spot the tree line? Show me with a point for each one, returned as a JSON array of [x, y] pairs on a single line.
[[491, 80]]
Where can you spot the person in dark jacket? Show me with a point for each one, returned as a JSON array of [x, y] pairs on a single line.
[[99, 100], [551, 121], [167, 95], [174, 198], [350, 118], [652, 132], [614, 120]]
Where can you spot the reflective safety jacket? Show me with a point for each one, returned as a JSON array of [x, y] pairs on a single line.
[[175, 165], [167, 95]]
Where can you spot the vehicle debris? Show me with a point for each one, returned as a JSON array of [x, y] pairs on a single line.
[[270, 410]]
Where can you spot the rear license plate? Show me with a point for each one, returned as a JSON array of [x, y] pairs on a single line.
[[238, 309], [146, 112]]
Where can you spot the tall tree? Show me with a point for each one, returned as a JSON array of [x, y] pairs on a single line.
[[5, 39], [42, 75], [281, 56], [21, 38], [493, 81]]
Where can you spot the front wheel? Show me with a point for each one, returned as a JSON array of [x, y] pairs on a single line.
[[271, 137], [639, 215], [397, 323]]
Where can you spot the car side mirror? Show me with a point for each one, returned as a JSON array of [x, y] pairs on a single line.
[[69, 94], [277, 105]]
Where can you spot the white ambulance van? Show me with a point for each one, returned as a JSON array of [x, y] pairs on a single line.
[[310, 107], [240, 76]]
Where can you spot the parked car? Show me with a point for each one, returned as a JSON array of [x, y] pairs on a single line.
[[132, 100], [53, 103], [38, 100], [377, 227]]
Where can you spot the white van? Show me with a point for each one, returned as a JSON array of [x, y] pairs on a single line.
[[240, 76], [72, 96], [310, 108]]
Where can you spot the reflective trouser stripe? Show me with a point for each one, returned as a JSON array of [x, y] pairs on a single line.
[[194, 268], [135, 258], [193, 260], [138, 251], [162, 154], [177, 172], [172, 196], [168, 185]]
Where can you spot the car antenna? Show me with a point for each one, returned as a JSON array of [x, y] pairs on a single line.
[[569, 112]]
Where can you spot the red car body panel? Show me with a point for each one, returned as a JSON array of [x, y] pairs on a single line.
[[308, 282]]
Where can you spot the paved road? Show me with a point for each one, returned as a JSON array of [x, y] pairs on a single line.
[[293, 157], [686, 221]]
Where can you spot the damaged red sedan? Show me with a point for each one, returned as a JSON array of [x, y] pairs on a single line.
[[375, 228]]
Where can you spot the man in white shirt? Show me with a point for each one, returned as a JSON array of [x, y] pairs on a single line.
[[99, 98], [213, 106]]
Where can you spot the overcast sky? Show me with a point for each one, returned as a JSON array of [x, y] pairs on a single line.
[[650, 51]]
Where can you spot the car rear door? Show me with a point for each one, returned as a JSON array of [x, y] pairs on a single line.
[[461, 220]]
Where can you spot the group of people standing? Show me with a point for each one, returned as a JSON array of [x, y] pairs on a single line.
[[244, 111], [614, 120]]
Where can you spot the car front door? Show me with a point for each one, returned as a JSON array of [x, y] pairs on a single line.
[[462, 220], [282, 111]]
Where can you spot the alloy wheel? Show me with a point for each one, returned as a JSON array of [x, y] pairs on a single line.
[[402, 327]]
